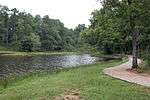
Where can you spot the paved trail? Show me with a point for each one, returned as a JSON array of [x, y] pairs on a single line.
[[121, 72]]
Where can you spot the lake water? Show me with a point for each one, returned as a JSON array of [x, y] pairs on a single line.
[[15, 65]]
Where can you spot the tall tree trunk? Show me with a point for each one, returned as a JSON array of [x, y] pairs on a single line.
[[135, 36], [6, 37]]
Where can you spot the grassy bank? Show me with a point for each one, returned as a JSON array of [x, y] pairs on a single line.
[[89, 81], [16, 53]]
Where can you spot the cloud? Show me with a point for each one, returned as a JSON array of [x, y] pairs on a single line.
[[70, 12]]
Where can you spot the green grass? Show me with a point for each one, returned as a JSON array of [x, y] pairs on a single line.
[[16, 53], [89, 80]]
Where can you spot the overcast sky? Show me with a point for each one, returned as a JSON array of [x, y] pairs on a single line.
[[70, 12]]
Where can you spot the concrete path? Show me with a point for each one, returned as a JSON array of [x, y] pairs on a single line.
[[121, 72]]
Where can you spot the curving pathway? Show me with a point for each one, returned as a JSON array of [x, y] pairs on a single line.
[[120, 72]]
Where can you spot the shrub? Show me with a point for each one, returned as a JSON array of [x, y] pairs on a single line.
[[147, 60], [30, 43]]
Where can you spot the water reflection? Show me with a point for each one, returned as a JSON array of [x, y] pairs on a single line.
[[21, 64]]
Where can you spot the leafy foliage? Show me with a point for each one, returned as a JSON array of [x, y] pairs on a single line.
[[115, 25], [24, 32]]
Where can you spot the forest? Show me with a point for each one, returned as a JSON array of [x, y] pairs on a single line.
[[21, 31]]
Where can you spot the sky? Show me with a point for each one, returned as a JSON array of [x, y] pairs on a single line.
[[70, 12]]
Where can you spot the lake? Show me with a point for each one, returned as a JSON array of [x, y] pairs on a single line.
[[16, 65]]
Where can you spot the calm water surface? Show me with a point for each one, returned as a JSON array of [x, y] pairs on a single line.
[[12, 65]]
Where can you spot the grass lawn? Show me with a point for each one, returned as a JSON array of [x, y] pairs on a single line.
[[89, 81], [16, 53]]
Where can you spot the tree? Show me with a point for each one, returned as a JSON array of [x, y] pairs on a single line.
[[5, 20], [79, 29], [120, 26], [12, 25], [30, 43], [22, 31]]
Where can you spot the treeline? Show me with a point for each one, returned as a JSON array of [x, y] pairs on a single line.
[[24, 32], [119, 26]]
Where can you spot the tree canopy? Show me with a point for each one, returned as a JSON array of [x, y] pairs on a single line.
[[24, 32], [120, 26]]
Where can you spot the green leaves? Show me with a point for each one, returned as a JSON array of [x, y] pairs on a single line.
[[22, 31], [113, 25], [30, 43]]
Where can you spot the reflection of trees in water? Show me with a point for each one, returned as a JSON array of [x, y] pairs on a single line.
[[24, 64]]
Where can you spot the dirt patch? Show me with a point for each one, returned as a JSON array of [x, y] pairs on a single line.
[[69, 95], [133, 70], [139, 71], [147, 90], [136, 71]]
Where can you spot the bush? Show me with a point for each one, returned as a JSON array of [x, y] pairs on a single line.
[[30, 43], [26, 45], [147, 60]]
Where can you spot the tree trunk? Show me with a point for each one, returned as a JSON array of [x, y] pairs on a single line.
[[7, 38], [135, 36]]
